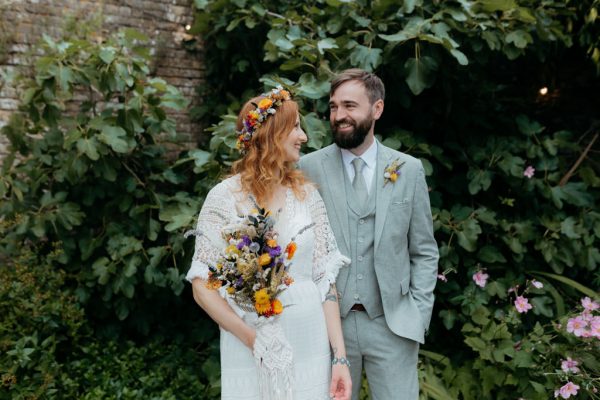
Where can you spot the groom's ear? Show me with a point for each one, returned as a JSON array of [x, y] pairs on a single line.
[[377, 109]]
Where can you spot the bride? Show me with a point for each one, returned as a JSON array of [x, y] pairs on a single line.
[[270, 138]]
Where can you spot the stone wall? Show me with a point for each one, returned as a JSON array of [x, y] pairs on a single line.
[[22, 23]]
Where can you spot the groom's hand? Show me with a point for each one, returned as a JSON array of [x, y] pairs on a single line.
[[341, 383]]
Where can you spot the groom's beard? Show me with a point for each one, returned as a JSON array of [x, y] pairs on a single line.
[[354, 138]]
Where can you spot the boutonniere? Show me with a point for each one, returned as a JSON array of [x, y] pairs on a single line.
[[392, 171]]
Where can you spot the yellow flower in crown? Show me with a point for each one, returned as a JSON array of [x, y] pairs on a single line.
[[272, 243], [265, 108], [265, 103]]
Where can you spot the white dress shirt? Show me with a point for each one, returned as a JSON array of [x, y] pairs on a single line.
[[370, 159]]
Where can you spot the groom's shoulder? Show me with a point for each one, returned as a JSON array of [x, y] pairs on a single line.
[[310, 158], [411, 163]]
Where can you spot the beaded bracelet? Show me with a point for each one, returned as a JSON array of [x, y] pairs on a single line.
[[341, 361]]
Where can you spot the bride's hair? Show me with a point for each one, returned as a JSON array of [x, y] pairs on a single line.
[[263, 165]]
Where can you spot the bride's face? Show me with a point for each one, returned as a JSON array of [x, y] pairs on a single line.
[[293, 142]]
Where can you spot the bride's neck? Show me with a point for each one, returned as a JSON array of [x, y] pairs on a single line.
[[276, 199]]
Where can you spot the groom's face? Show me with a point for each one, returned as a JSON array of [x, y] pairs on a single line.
[[351, 115]]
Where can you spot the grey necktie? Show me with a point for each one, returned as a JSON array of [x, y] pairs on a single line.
[[359, 184]]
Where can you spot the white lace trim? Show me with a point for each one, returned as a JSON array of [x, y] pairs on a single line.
[[327, 259], [197, 270], [334, 262]]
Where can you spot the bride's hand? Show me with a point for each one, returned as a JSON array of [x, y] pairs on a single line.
[[341, 383]]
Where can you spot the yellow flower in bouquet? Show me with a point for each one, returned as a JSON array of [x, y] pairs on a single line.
[[262, 302], [264, 259], [253, 269]]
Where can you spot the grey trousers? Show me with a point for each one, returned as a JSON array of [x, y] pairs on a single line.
[[390, 361]]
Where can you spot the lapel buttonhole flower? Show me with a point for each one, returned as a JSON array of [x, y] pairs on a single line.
[[392, 171]]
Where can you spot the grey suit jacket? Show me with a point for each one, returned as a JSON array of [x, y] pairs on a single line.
[[406, 253]]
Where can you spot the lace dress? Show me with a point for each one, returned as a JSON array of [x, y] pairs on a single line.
[[314, 267]]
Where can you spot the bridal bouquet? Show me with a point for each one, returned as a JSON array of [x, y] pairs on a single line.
[[253, 268]]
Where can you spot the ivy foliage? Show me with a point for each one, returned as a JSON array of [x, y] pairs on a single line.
[[514, 185]]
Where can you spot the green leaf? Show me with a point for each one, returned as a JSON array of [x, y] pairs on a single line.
[[490, 255], [316, 129], [542, 305], [87, 146], [107, 55], [102, 270], [312, 88], [476, 343], [467, 237], [325, 44], [519, 38], [480, 315], [460, 57], [420, 73], [366, 58], [114, 137], [569, 228], [448, 318]]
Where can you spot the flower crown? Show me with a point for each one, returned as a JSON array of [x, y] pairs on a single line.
[[254, 119]]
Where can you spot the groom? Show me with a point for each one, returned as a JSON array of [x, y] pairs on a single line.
[[378, 206]]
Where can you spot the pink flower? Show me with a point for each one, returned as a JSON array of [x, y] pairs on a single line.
[[522, 304], [576, 326], [442, 278], [589, 304], [569, 365], [480, 278], [568, 390], [537, 284], [595, 331], [587, 316], [529, 171]]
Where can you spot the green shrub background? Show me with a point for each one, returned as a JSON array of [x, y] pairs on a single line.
[[94, 204]]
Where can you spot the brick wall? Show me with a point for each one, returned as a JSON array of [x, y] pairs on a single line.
[[22, 23]]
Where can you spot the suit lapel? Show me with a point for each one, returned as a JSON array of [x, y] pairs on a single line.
[[333, 170], [384, 193]]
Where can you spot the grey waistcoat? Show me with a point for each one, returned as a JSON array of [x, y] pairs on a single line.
[[362, 286]]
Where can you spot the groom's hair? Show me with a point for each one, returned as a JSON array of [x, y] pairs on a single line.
[[372, 83]]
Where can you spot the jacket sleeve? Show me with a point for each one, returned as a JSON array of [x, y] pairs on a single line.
[[423, 250]]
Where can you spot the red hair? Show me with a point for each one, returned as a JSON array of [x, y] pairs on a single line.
[[263, 165]]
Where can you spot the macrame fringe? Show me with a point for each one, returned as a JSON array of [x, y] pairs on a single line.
[[273, 356]]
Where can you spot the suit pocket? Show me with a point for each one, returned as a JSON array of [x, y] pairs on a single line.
[[400, 203]]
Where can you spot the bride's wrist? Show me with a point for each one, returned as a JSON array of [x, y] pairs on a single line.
[[340, 361]]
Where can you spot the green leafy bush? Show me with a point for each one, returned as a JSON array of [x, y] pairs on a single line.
[[90, 169], [39, 322]]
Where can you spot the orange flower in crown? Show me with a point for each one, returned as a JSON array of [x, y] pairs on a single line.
[[253, 120]]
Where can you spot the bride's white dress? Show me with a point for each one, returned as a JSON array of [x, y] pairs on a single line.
[[314, 267]]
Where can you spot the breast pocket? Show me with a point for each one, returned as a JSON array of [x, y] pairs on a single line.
[[400, 203]]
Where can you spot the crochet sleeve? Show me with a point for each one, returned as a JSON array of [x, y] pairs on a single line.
[[327, 259], [216, 212]]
